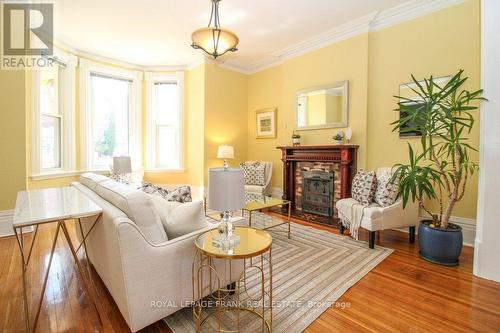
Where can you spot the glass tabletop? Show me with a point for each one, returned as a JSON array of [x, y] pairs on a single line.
[[252, 242], [259, 201]]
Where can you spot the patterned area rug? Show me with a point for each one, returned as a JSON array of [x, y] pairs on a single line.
[[310, 272]]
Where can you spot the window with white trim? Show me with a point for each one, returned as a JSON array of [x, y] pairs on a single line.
[[165, 121], [110, 108], [53, 108], [110, 115]]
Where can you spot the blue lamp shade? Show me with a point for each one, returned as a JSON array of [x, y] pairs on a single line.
[[226, 189]]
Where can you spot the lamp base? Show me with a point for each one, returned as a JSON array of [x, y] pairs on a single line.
[[226, 227]]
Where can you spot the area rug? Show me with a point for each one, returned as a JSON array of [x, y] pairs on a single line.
[[310, 273]]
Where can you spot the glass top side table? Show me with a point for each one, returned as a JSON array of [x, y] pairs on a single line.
[[254, 244]]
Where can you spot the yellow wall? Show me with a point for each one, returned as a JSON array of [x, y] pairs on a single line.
[[438, 44], [225, 114], [12, 136], [374, 64], [220, 104], [277, 86]]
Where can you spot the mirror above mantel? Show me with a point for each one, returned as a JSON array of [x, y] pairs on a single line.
[[323, 106]]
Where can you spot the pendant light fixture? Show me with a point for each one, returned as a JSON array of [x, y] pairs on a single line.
[[214, 40]]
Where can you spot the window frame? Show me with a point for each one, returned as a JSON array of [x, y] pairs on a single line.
[[66, 105], [86, 115], [153, 127]]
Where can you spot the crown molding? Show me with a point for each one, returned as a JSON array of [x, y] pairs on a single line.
[[345, 31], [374, 21]]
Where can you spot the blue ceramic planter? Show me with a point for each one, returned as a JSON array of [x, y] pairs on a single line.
[[440, 246]]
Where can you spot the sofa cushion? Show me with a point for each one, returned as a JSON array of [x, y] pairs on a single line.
[[137, 205], [254, 173], [364, 185], [180, 218], [256, 189], [91, 180], [387, 190]]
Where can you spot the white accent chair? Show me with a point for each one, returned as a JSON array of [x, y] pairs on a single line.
[[265, 189], [377, 218]]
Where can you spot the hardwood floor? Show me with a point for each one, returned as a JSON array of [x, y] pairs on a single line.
[[402, 294]]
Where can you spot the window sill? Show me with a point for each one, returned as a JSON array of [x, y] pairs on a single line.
[[182, 170], [61, 174]]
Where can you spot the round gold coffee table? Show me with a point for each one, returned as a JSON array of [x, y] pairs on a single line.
[[233, 294]]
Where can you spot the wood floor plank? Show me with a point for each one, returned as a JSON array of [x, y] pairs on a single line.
[[402, 294]]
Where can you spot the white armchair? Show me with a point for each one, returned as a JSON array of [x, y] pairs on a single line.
[[377, 218], [265, 189]]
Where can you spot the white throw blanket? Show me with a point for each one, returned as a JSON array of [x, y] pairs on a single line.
[[352, 217]]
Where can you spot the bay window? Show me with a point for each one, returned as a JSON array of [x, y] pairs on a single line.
[[110, 115], [52, 129]]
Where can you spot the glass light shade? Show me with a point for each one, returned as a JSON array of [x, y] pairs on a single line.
[[215, 42], [226, 152]]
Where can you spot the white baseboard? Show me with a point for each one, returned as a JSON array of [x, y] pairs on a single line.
[[468, 228], [6, 223]]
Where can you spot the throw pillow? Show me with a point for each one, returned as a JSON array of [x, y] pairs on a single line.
[[180, 194], [254, 173], [121, 178], [364, 185], [387, 191], [153, 189], [183, 219]]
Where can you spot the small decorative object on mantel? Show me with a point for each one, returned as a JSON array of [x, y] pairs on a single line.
[[266, 123], [348, 135], [296, 138], [337, 138]]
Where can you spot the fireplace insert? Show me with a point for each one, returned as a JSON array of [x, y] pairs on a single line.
[[317, 192]]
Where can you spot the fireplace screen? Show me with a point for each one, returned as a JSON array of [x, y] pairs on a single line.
[[317, 192]]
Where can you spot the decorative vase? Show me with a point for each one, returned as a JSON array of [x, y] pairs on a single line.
[[440, 246], [296, 141], [337, 142]]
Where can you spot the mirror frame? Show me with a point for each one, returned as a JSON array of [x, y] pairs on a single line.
[[345, 106]]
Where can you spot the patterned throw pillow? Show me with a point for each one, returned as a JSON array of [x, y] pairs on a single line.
[[153, 189], [254, 173], [364, 185], [180, 194], [121, 178], [387, 191]]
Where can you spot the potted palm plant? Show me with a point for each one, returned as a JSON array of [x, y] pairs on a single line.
[[441, 168]]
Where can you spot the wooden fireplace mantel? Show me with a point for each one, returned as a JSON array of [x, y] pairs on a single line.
[[345, 155]]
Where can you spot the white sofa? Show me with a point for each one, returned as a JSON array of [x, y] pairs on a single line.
[[265, 189], [377, 218], [134, 257]]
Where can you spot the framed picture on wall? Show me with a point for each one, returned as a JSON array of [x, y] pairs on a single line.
[[266, 123]]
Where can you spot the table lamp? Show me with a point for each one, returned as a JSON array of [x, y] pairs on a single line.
[[226, 152], [226, 193]]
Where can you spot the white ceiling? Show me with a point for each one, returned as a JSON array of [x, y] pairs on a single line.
[[158, 32]]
